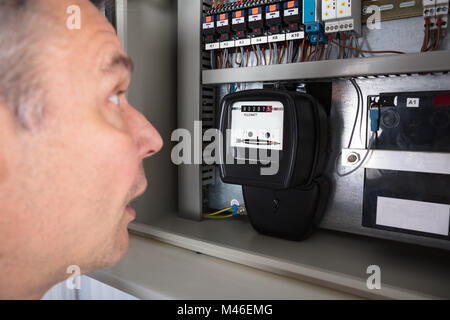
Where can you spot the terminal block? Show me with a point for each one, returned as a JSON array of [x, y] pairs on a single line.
[[341, 15]]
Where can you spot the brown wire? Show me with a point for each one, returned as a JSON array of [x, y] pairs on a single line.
[[280, 59], [302, 57], [256, 55], [235, 58], [321, 51], [426, 38], [366, 51], [327, 51], [438, 38], [219, 61], [309, 52], [264, 56]]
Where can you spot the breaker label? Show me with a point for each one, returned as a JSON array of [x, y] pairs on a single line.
[[295, 35], [413, 102], [276, 38], [227, 44], [208, 25], [255, 17], [243, 42], [259, 40], [222, 23], [212, 46], [272, 15], [238, 20], [291, 12]]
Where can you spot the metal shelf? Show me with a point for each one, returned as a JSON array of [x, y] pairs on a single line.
[[410, 63]]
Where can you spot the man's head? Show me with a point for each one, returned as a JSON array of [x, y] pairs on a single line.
[[71, 147]]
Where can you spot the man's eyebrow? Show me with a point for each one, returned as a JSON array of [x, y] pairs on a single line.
[[119, 60]]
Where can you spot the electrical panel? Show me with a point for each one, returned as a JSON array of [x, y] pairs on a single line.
[[261, 33]]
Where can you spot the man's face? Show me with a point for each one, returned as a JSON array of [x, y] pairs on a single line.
[[66, 184]]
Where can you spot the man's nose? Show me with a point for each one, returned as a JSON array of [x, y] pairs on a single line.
[[146, 136]]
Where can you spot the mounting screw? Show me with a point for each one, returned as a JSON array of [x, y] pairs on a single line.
[[353, 158]]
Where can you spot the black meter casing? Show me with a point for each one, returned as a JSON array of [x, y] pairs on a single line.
[[289, 203]]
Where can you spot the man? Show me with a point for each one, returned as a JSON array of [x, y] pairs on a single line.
[[71, 147]]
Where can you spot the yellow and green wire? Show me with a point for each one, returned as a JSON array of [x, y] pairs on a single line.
[[217, 214]]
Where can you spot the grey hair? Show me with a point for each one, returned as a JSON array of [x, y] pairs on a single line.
[[22, 23], [20, 87]]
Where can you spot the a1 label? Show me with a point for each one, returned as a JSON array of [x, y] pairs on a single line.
[[412, 102]]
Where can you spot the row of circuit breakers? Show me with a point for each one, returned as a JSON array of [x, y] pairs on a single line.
[[254, 22]]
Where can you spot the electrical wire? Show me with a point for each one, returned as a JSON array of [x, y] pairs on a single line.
[[219, 60], [367, 51], [270, 53], [217, 212], [353, 82], [264, 56], [218, 217], [281, 58], [321, 51], [317, 47], [211, 57], [236, 58], [256, 55], [248, 55], [344, 38], [302, 57], [426, 36], [361, 115], [438, 35]]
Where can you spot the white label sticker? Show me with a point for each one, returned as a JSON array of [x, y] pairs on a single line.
[[386, 7], [295, 35], [222, 23], [208, 25], [259, 40], [227, 44], [413, 102], [212, 46], [243, 42], [272, 15], [238, 20], [407, 4], [413, 215], [290, 12], [255, 17], [276, 37]]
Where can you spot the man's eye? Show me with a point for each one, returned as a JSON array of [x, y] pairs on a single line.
[[115, 99]]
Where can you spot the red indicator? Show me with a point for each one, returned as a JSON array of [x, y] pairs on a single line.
[[442, 101], [269, 108], [291, 4], [273, 7], [238, 14], [255, 10], [208, 19], [223, 16]]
